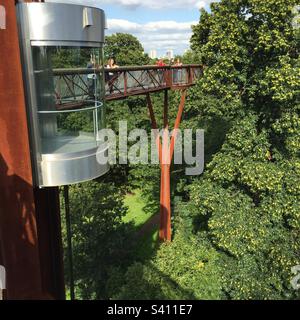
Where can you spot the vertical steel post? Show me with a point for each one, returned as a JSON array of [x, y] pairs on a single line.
[[69, 240], [165, 204], [125, 83], [166, 152]]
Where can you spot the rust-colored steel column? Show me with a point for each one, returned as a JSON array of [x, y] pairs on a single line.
[[166, 152], [30, 248], [165, 198], [154, 126], [177, 123], [165, 233]]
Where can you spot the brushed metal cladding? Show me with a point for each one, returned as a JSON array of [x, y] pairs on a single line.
[[65, 169], [64, 22]]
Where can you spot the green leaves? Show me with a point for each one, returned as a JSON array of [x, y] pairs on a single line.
[[98, 235], [237, 227], [282, 82], [126, 48], [184, 269], [261, 177], [247, 203]]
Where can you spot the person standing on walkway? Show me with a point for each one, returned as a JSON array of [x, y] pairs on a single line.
[[110, 78]]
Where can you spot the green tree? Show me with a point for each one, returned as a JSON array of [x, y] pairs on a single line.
[[237, 226], [248, 200], [186, 269], [189, 57], [126, 48], [101, 240]]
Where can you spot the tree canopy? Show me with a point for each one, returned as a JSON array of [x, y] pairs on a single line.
[[246, 206], [126, 49], [236, 227]]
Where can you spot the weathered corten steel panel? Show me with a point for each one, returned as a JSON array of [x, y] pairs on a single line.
[[24, 221], [17, 218]]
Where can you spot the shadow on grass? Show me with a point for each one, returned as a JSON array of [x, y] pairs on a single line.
[[145, 235], [147, 282]]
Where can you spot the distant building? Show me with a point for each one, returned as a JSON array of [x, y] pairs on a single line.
[[153, 54], [170, 54]]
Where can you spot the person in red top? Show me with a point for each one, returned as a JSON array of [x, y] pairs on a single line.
[[160, 63]]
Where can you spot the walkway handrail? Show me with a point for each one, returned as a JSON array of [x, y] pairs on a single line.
[[71, 71], [122, 82]]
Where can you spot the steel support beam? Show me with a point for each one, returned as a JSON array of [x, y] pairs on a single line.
[[30, 240], [166, 152]]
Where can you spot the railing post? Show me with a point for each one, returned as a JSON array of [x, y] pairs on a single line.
[[125, 83], [168, 77], [190, 76]]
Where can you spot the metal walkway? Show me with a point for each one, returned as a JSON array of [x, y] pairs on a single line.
[[76, 88], [130, 81], [72, 85]]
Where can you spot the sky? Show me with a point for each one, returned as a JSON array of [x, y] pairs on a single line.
[[159, 25]]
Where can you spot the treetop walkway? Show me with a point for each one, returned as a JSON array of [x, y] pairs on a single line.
[[75, 89], [121, 82], [129, 81]]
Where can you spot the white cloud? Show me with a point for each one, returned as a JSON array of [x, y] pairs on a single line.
[[153, 4], [121, 25], [115, 25], [159, 35], [170, 26], [158, 4]]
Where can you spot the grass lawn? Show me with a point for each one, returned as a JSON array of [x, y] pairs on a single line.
[[146, 243], [136, 212]]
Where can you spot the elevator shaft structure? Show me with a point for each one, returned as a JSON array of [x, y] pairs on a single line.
[[53, 35]]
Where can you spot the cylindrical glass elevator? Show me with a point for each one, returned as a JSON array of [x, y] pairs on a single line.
[[62, 50]]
